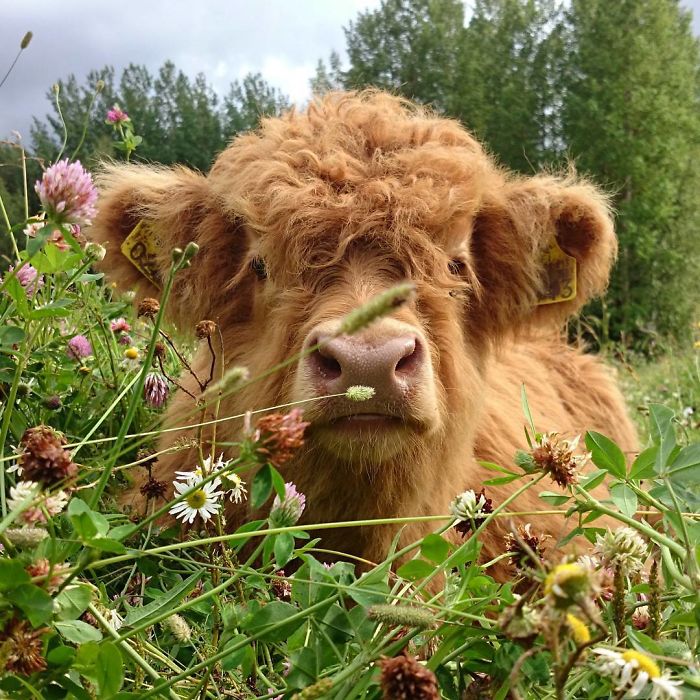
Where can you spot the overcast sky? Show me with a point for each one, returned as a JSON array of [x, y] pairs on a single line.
[[224, 39]]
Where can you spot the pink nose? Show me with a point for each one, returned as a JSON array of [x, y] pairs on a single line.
[[389, 364]]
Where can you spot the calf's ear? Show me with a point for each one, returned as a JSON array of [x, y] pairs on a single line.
[[171, 207], [521, 238]]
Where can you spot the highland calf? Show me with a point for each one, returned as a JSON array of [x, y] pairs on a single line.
[[316, 212]]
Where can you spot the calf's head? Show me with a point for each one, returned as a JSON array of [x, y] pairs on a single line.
[[316, 212]]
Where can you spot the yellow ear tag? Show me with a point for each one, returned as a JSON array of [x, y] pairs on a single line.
[[559, 275], [141, 247]]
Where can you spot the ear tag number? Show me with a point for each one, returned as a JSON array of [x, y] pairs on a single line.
[[559, 275], [141, 247]]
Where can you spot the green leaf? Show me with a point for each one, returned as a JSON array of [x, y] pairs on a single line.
[[526, 409], [109, 670], [105, 544], [303, 668], [139, 616], [624, 498], [685, 469], [271, 623], [491, 466], [593, 479], [238, 657], [415, 569], [435, 548], [86, 522], [78, 632], [277, 482], [501, 480], [55, 309], [11, 335], [643, 466], [606, 454], [283, 548], [12, 574], [261, 488], [72, 601], [556, 499], [34, 602], [662, 432], [18, 294]]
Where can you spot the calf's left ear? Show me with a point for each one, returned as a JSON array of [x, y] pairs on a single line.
[[542, 247], [170, 207]]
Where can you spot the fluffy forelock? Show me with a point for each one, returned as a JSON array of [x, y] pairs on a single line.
[[365, 165]]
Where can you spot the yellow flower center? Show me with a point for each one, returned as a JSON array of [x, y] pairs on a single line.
[[131, 353], [578, 629], [196, 499], [645, 663]]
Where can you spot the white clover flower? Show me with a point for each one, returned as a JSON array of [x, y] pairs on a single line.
[[203, 501], [625, 548], [22, 491], [469, 505], [359, 393], [114, 619], [56, 503], [178, 627], [633, 673]]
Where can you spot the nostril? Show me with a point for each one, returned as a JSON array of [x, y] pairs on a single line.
[[410, 359], [325, 363]]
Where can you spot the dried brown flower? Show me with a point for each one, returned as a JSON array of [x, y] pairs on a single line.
[[21, 648], [555, 456], [148, 307], [205, 329], [159, 350], [281, 587], [154, 488], [404, 678], [146, 458], [520, 556], [279, 436], [44, 458], [55, 575]]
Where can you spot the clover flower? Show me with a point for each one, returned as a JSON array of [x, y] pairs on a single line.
[[44, 457], [556, 457], [95, 251], [634, 673], [202, 502], [405, 677], [287, 511], [279, 436], [116, 115], [119, 325], [29, 278], [155, 389], [154, 488], [470, 509], [78, 347], [148, 307], [624, 549], [21, 492], [22, 647], [54, 574], [520, 556], [67, 193], [205, 329]]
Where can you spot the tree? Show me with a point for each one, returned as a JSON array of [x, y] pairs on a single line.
[[328, 78], [408, 46], [248, 101], [630, 118]]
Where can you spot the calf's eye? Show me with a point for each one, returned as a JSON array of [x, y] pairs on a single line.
[[456, 266], [257, 264]]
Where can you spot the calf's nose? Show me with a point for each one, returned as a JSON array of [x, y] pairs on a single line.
[[390, 364]]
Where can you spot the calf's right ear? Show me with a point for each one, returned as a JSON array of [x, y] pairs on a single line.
[[173, 206]]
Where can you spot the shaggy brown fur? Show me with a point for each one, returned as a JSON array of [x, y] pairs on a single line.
[[360, 191]]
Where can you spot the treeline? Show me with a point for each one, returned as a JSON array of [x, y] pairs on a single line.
[[609, 87]]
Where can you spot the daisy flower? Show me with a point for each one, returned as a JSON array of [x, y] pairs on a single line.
[[234, 487], [633, 673], [203, 501]]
